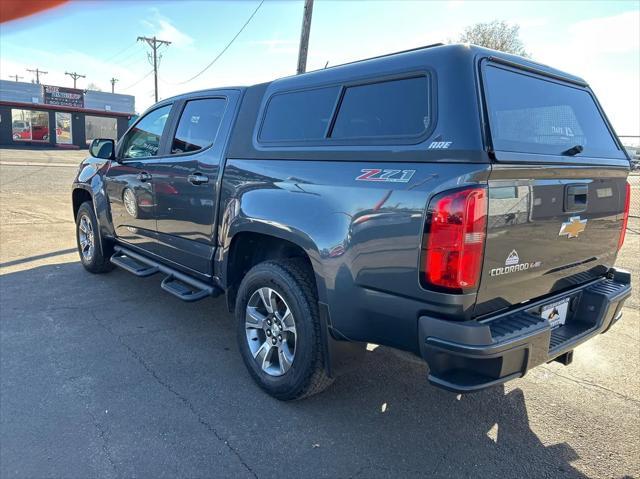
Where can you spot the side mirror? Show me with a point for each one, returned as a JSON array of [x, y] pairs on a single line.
[[104, 148]]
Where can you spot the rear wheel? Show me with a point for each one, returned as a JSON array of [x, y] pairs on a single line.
[[278, 329], [94, 255]]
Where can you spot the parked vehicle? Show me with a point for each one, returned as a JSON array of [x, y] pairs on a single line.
[[21, 129], [455, 202], [35, 133]]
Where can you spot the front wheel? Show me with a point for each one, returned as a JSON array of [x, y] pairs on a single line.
[[94, 256], [278, 328]]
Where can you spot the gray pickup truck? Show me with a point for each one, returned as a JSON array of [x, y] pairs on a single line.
[[454, 202]]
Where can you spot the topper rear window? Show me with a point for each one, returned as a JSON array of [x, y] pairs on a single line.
[[531, 114]]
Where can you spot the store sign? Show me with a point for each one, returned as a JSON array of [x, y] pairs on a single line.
[[57, 95]]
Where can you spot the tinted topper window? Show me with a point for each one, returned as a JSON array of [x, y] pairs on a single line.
[[391, 108], [533, 115], [198, 125], [300, 115]]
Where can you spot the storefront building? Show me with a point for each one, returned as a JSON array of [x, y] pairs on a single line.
[[46, 115]]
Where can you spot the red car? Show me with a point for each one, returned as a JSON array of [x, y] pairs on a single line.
[[37, 133]]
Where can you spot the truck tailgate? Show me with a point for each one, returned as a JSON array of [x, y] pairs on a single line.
[[548, 229]]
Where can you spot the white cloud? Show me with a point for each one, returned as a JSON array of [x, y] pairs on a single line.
[[614, 34], [162, 28], [604, 51]]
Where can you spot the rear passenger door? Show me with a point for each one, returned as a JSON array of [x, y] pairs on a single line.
[[186, 181]]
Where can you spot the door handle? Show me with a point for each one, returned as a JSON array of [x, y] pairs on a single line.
[[198, 179], [144, 176]]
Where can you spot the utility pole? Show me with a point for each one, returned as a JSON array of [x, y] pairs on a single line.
[[38, 73], [113, 84], [75, 76], [16, 76], [304, 36], [155, 44]]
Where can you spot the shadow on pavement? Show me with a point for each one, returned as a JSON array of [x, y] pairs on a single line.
[[37, 257], [172, 375]]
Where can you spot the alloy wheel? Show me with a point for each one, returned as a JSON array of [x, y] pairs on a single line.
[[86, 237], [271, 331]]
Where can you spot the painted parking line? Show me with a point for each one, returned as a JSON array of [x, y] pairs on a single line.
[[34, 163]]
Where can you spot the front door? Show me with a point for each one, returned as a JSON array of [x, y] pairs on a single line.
[[128, 181], [185, 181]]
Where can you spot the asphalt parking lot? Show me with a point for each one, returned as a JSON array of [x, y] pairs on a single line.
[[108, 376]]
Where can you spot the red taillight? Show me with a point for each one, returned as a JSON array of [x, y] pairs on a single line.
[[456, 234], [625, 218]]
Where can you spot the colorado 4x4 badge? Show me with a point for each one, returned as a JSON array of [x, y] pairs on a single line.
[[513, 264]]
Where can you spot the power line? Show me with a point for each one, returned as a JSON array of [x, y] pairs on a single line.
[[155, 44], [134, 55], [224, 49], [120, 52], [75, 77], [137, 82], [16, 76]]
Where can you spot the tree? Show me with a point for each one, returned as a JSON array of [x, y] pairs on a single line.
[[497, 35], [93, 86]]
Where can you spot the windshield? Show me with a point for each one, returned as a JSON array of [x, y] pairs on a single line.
[[529, 114]]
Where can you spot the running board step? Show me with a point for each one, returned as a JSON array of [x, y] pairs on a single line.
[[178, 284], [142, 270], [182, 290]]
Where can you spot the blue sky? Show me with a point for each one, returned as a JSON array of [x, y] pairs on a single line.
[[597, 40]]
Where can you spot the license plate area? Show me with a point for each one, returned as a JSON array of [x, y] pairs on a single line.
[[556, 312]]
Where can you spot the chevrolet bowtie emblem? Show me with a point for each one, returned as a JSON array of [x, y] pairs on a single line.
[[573, 227]]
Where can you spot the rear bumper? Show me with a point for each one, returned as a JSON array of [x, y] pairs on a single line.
[[469, 356]]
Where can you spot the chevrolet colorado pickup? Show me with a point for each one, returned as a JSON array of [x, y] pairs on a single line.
[[455, 202]]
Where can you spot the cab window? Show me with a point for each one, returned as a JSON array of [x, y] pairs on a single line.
[[143, 140], [198, 125]]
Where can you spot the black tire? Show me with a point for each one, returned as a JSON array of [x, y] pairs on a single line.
[[293, 280], [98, 261]]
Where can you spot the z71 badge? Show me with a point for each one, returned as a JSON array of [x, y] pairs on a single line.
[[392, 176]]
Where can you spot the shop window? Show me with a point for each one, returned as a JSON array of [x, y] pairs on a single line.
[[100, 127], [63, 128], [29, 125]]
